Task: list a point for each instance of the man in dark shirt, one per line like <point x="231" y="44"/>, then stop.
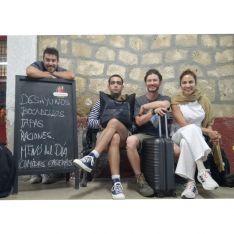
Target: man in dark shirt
<point x="112" y="137"/>
<point x="48" y="68"/>
<point x="147" y="107"/>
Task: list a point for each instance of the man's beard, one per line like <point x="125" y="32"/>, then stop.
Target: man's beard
<point x="153" y="91"/>
<point x="51" y="69"/>
<point x="115" y="95"/>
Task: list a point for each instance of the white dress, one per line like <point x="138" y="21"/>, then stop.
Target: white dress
<point x="190" y="139"/>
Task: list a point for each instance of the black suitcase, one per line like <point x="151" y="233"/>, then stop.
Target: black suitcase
<point x="158" y="163"/>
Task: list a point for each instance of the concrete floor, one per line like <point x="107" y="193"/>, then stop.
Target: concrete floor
<point x="97" y="189"/>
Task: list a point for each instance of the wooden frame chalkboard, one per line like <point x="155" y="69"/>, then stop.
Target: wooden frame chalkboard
<point x="45" y="139"/>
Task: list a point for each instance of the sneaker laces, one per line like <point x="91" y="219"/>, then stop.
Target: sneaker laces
<point x="117" y="188"/>
<point x="204" y="174"/>
<point x="190" y="185"/>
<point x="88" y="159"/>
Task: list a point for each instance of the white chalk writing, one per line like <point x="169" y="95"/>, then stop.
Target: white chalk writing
<point x="34" y="99"/>
<point x="33" y="150"/>
<point x="31" y="136"/>
<point x="41" y="112"/>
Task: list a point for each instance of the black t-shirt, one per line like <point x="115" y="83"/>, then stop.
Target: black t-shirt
<point x="148" y="127"/>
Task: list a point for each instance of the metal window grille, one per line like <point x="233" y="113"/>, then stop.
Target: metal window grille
<point x="3" y="57"/>
<point x="3" y="76"/>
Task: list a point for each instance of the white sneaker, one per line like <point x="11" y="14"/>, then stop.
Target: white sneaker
<point x="117" y="191"/>
<point x="206" y="180"/>
<point x="35" y="179"/>
<point x="190" y="191"/>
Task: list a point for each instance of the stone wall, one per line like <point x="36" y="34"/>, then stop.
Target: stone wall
<point x="94" y="58"/>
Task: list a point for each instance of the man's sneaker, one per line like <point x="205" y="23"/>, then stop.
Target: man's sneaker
<point x="47" y="179"/>
<point x="190" y="191"/>
<point x="143" y="188"/>
<point x="86" y="163"/>
<point x="206" y="180"/>
<point x="117" y="191"/>
<point x="34" y="179"/>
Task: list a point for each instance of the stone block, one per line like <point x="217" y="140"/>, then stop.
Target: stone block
<point x="208" y="87"/>
<point x="225" y="56"/>
<point x="105" y="54"/>
<point x="117" y="41"/>
<point x="64" y="46"/>
<point x="226" y="89"/>
<point x="116" y="69"/>
<point x="152" y="58"/>
<point x="195" y="68"/>
<point x="186" y="40"/>
<point x="161" y="41"/>
<point x="100" y="84"/>
<point x="170" y="88"/>
<point x="175" y="55"/>
<point x="90" y="68"/>
<point x="128" y="57"/>
<point x="222" y="110"/>
<point x="96" y="39"/>
<point x="130" y="88"/>
<point x="201" y="57"/>
<point x="225" y="70"/>
<point x="80" y="49"/>
<point x="66" y="63"/>
<point x="137" y="74"/>
<point x="213" y="73"/>
<point x="81" y="84"/>
<point x="46" y="41"/>
<point x="226" y="41"/>
<point x="209" y="41"/>
<point x="84" y="102"/>
<point x="167" y="72"/>
<point x="137" y="43"/>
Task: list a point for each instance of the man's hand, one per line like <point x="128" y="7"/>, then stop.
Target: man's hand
<point x="161" y="111"/>
<point x="142" y="110"/>
<point x="49" y="75"/>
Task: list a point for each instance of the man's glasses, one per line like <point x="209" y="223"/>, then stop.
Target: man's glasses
<point x="116" y="82"/>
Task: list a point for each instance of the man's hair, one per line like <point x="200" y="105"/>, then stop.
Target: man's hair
<point x="188" y="72"/>
<point x="51" y="50"/>
<point x="153" y="71"/>
<point x="115" y="75"/>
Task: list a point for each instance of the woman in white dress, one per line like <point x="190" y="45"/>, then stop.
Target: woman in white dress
<point x="193" y="117"/>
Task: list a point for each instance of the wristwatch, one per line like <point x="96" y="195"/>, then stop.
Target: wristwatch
<point x="152" y="112"/>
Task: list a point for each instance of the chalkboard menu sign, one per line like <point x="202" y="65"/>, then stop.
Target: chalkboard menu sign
<point x="45" y="125"/>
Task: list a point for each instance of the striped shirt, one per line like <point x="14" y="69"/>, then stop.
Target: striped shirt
<point x="94" y="116"/>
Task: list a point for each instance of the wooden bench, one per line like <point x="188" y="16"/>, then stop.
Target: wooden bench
<point x="225" y="125"/>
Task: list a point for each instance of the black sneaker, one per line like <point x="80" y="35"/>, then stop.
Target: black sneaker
<point x="143" y="188"/>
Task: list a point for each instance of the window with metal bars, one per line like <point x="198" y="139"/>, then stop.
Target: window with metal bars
<point x="3" y="76"/>
<point x="3" y="57"/>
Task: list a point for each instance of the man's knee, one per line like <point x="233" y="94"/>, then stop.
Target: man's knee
<point x="132" y="142"/>
<point x="113" y="123"/>
<point x="115" y="139"/>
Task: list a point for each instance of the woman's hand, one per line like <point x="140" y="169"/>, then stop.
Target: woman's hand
<point x="214" y="136"/>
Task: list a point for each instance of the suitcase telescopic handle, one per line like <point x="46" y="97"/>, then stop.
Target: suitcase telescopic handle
<point x="160" y="125"/>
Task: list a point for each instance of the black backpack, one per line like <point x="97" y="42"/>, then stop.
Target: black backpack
<point x="7" y="171"/>
<point x="219" y="177"/>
